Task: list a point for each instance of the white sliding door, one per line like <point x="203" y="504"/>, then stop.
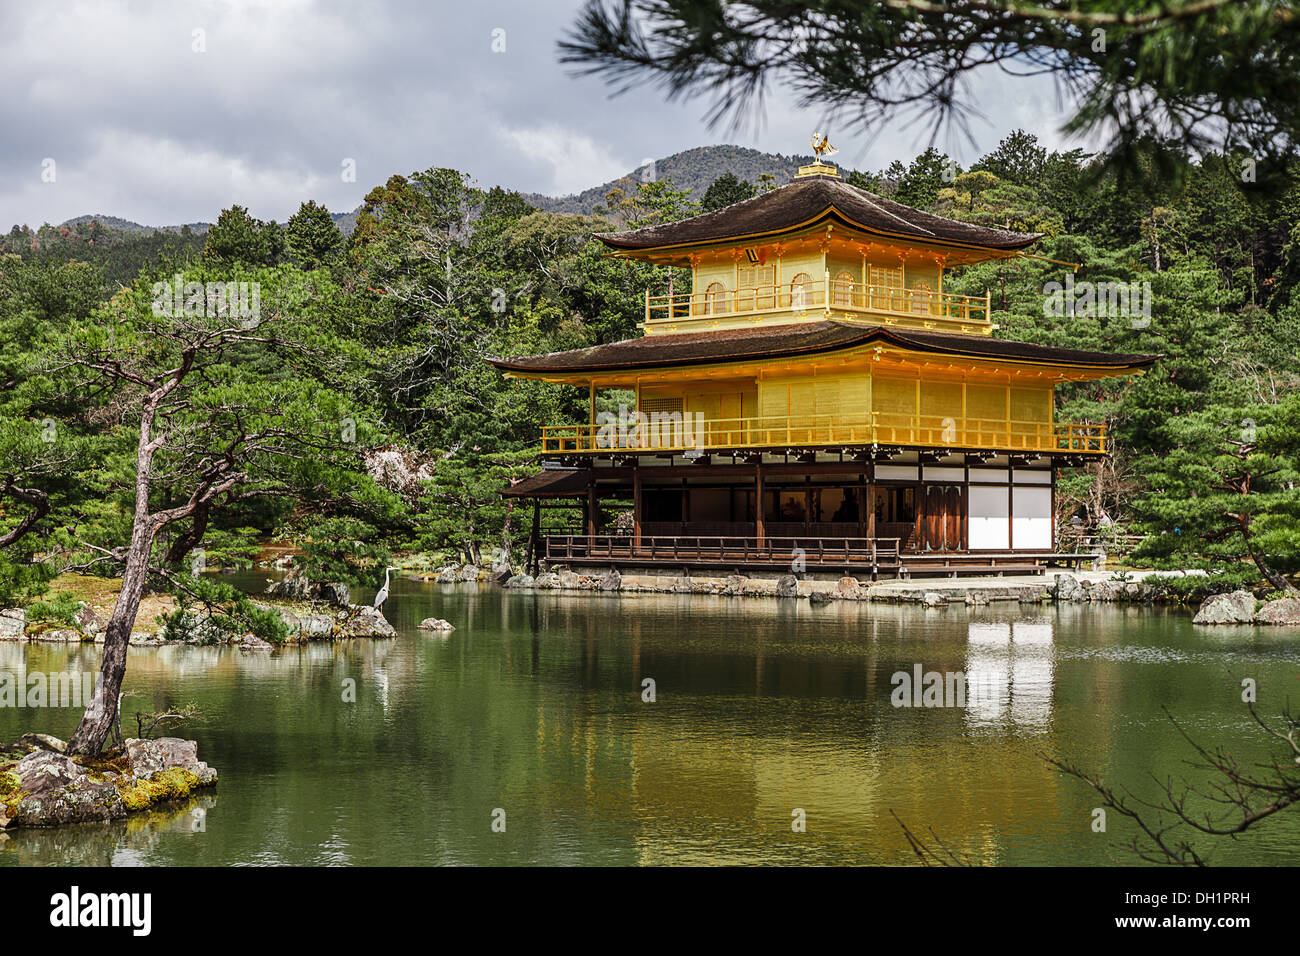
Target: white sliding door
<point x="989" y="511"/>
<point x="1031" y="523"/>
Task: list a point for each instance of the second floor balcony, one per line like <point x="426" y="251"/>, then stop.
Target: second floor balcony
<point x="918" y="307"/>
<point x="681" y="433"/>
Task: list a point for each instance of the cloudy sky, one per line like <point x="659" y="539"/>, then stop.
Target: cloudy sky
<point x="166" y="111"/>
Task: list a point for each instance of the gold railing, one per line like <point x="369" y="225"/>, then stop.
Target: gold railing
<point x="691" y="432"/>
<point x="810" y="297"/>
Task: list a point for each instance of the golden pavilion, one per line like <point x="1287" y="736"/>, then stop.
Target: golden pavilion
<point x="817" y="396"/>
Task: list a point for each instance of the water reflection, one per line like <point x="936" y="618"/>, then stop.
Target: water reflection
<point x="534" y="704"/>
<point x="126" y="842"/>
<point x="1009" y="670"/>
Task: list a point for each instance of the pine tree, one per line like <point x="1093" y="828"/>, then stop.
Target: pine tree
<point x="725" y="190"/>
<point x="312" y="240"/>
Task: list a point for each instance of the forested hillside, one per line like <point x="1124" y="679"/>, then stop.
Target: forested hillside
<point x="119" y="251"/>
<point x="352" y="411"/>
<point x="692" y="169"/>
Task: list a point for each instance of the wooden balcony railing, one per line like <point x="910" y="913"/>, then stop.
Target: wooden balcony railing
<point x="725" y="550"/>
<point x="905" y="306"/>
<point x="685" y="433"/>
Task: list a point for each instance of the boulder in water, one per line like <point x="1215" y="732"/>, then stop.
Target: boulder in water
<point x="1283" y="611"/>
<point x="1237" y="607"/>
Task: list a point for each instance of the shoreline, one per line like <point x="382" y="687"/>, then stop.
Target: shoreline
<point x="1068" y="587"/>
<point x="1150" y="588"/>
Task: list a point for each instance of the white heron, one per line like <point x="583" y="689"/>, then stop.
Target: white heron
<point x="382" y="596"/>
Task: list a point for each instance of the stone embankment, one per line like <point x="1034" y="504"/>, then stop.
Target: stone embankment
<point x="1240" y="607"/>
<point x="304" y="622"/>
<point x="462" y="574"/>
<point x="1022" y="589"/>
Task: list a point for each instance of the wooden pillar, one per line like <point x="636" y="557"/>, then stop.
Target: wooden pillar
<point x="636" y="508"/>
<point x="535" y="539"/>
<point x="965" y="438"/>
<point x="1052" y="462"/>
<point x="807" y="504"/>
<point x="916" y="422"/>
<point x="965" y="508"/>
<point x="591" y="506"/>
<point x="1011" y="506"/>
<point x="920" y="501"/>
<point x="758" y="503"/>
<point x="861" y="492"/>
<point x="686" y="507"/>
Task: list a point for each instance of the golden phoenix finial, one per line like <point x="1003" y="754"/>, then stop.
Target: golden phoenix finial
<point x="821" y="146"/>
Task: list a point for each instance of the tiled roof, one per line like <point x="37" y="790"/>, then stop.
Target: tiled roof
<point x="806" y="202"/>
<point x="784" y="341"/>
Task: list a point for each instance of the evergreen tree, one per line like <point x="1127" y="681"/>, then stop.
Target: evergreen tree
<point x="311" y="238"/>
<point x="1018" y="158"/>
<point x="923" y="180"/>
<point x="238" y="238"/>
<point x="725" y="190"/>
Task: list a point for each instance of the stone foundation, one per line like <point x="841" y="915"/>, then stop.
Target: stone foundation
<point x="823" y="588"/>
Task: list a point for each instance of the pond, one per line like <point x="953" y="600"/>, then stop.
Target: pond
<point x="532" y="714"/>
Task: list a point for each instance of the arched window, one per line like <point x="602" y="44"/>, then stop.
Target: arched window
<point x="800" y="291"/>
<point x="921" y="298"/>
<point x="843" y="292"/>
<point x="715" y="299"/>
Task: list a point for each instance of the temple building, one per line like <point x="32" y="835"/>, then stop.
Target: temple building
<point x="816" y="397"/>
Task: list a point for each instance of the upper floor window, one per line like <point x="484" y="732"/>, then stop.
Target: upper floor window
<point x="716" y="299"/>
<point x="843" y="289"/>
<point x="886" y="288"/>
<point x="887" y="277"/>
<point x="756" y="277"/>
<point x="801" y="291"/>
<point x="921" y="298"/>
<point x="755" y="287"/>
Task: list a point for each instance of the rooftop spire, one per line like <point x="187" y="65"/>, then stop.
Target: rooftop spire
<point x="821" y="146"/>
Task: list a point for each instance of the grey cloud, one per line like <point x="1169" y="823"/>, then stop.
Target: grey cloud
<point x="142" y="126"/>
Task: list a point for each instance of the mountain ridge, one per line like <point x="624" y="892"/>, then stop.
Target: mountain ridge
<point x="693" y="169"/>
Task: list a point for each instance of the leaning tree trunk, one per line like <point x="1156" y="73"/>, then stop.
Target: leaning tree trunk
<point x="101" y="713"/>
<point x="1273" y="577"/>
<point x="97" y="722"/>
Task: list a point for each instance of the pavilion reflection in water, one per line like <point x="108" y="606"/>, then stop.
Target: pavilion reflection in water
<point x="1009" y="674"/>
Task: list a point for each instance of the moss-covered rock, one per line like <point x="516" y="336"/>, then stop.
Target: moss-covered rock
<point x="173" y="784"/>
<point x="45" y="789"/>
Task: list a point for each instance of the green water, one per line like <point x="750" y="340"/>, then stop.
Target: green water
<point x="534" y="706"/>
